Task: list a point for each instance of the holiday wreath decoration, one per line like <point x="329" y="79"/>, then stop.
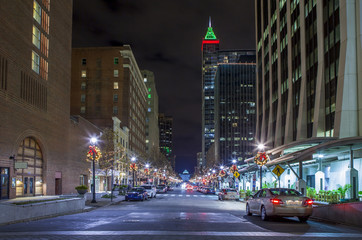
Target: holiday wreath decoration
<point x="222" y="173"/>
<point x="233" y="168"/>
<point x="94" y="150"/>
<point x="133" y="167"/>
<point x="261" y="158"/>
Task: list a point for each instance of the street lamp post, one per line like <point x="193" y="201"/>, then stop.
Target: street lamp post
<point x="93" y="142"/>
<point x="133" y="159"/>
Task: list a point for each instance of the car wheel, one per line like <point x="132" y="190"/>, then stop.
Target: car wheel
<point x="264" y="217"/>
<point x="248" y="210"/>
<point x="143" y="198"/>
<point x="126" y="199"/>
<point x="155" y="195"/>
<point x="303" y="219"/>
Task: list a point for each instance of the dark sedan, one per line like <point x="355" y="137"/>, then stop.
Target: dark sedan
<point x="138" y="193"/>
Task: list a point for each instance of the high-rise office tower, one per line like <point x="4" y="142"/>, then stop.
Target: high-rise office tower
<point x="166" y="144"/>
<point x="106" y="83"/>
<point x="152" y="129"/>
<point x="210" y="46"/>
<point x="235" y="106"/>
<point x="308" y="93"/>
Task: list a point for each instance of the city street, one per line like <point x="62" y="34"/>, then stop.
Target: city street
<point x="177" y="214"/>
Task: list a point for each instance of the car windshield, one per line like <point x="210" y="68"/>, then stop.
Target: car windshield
<point x="160" y="187"/>
<point x="285" y="192"/>
<point x="137" y="190"/>
<point x="230" y="190"/>
<point x="146" y="187"/>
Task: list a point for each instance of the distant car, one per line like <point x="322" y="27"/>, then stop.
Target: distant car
<point x="161" y="189"/>
<point x="151" y="190"/>
<point x="189" y="187"/>
<point x="169" y="188"/>
<point x="283" y="202"/>
<point x="208" y="190"/>
<point x="228" y="194"/>
<point x="137" y="193"/>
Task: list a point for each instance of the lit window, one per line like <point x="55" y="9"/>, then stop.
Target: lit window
<point x="84" y="73"/>
<point x="83" y="85"/>
<point x="115" y="73"/>
<point x="149" y="89"/>
<point x="84" y="61"/>
<point x="115" y="85"/>
<point x="36" y="37"/>
<point x="115" y="60"/>
<point x="149" y="95"/>
<point x="82" y="109"/>
<point x="149" y="109"/>
<point x="115" y="110"/>
<point x="37" y="12"/>
<point x="145" y="79"/>
<point x="35" y="62"/>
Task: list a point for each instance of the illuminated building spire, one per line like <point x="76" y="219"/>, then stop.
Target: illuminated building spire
<point x="210" y="33"/>
<point x="209" y="21"/>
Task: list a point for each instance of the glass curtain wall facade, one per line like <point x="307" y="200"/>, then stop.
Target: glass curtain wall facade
<point x="235" y="109"/>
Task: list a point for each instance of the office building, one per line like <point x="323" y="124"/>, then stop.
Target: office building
<point x="309" y="92"/>
<point x="235" y="106"/>
<point x="210" y="47"/>
<point x="166" y="144"/>
<point x="152" y="129"/>
<point x="106" y="83"/>
<point x="41" y="145"/>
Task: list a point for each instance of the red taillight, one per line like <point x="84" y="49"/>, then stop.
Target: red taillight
<point x="308" y="202"/>
<point x="276" y="201"/>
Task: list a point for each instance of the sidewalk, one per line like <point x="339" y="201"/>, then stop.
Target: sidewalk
<point x="101" y="202"/>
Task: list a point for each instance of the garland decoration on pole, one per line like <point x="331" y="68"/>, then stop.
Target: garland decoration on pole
<point x="261" y="158"/>
<point x="133" y="167"/>
<point x="222" y="173"/>
<point x="233" y="168"/>
<point x="94" y="150"/>
<point x="214" y="175"/>
<point x="154" y="174"/>
<point x="147" y="171"/>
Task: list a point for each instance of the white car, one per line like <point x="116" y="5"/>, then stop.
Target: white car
<point x="151" y="190"/>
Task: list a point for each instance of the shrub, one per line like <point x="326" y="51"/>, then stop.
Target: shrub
<point x="81" y="187"/>
<point x="108" y="196"/>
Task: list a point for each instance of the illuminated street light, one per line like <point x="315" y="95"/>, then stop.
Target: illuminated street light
<point x="261" y="146"/>
<point x="213" y="171"/>
<point x="147" y="165"/>
<point x="133" y="159"/>
<point x="234" y="161"/>
<point x="320" y="156"/>
<point x="221" y="167"/>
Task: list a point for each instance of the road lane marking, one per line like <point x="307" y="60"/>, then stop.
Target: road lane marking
<point x="187" y="195"/>
<point x="186" y="233"/>
<point x="180" y="195"/>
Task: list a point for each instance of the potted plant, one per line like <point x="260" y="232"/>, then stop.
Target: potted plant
<point x="311" y="193"/>
<point x="81" y="189"/>
<point x="360" y="195"/>
<point x="343" y="190"/>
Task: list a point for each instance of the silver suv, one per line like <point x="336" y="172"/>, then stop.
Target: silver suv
<point x="151" y="190"/>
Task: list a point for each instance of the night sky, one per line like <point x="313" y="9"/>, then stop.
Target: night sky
<point x="166" y="36"/>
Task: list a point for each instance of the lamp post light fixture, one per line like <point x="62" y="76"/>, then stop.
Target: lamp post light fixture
<point x="234" y="161"/>
<point x="221" y="167"/>
<point x="93" y="141"/>
<point x="133" y="159"/>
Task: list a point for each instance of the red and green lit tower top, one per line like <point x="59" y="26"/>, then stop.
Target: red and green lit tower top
<point x="210" y="48"/>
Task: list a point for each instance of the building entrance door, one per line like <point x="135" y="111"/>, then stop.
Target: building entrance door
<point x="29" y="186"/>
<point x="4" y="183"/>
<point x="58" y="186"/>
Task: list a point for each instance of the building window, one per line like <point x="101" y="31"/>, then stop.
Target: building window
<point x="36" y="37"/>
<point x="82" y="98"/>
<point x="115" y="73"/>
<point x="115" y="85"/>
<point x="149" y="109"/>
<point x="37" y="12"/>
<point x="83" y="85"/>
<point x="82" y="109"/>
<point x="84" y="61"/>
<point x="115" y="110"/>
<point x="35" y="62"/>
<point x="145" y="79"/>
<point x="115" y="97"/>
<point x="84" y="73"/>
<point x="115" y="60"/>
<point x="149" y="95"/>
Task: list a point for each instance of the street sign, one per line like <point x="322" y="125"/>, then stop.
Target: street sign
<point x="278" y="170"/>
<point x="21" y="165"/>
<point x="236" y="174"/>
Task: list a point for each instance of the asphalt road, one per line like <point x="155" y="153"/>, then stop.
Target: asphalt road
<point x="176" y="215"/>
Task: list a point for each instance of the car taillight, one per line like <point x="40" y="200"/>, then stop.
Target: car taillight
<point x="308" y="202"/>
<point x="276" y="201"/>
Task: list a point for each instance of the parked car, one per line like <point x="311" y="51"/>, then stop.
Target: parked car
<point x="151" y="190"/>
<point x="169" y="188"/>
<point x="208" y="190"/>
<point x="228" y="194"/>
<point x="283" y="202"/>
<point x="137" y="193"/>
<point x="161" y="189"/>
<point x="189" y="187"/>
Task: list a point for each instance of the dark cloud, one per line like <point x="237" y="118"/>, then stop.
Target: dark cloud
<point x="166" y="36"/>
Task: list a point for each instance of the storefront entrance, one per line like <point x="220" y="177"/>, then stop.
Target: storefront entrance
<point x="4" y="183"/>
<point x="28" y="186"/>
